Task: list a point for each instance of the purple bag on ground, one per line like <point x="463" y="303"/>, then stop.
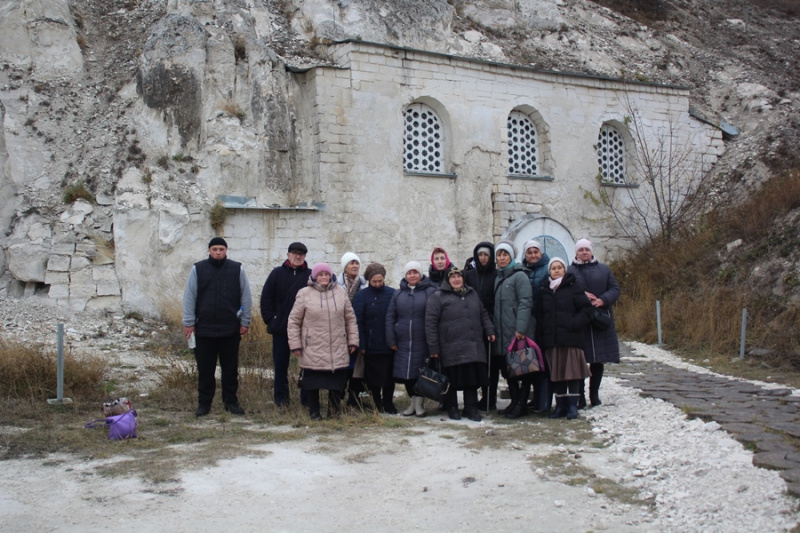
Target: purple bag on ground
<point x="119" y="427"/>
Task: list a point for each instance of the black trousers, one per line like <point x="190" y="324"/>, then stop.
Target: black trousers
<point x="206" y="353"/>
<point x="335" y="398"/>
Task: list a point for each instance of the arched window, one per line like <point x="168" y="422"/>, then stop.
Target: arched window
<point x="523" y="155"/>
<point x="611" y="155"/>
<point x="422" y="140"/>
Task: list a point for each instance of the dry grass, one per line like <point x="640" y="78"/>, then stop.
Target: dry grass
<point x="217" y="215"/>
<point x="30" y="373"/>
<point x="702" y="294"/>
<point x="233" y="109"/>
<point x="76" y="191"/>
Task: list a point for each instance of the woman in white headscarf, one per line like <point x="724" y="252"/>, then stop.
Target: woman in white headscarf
<point x="600" y="345"/>
<point x="566" y="312"/>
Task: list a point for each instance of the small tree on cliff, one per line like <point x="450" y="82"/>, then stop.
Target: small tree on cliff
<point x="667" y="183"/>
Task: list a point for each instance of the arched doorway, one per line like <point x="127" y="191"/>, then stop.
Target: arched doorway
<point x="554" y="236"/>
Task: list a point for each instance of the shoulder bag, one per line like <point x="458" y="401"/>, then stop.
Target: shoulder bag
<point x="601" y="318"/>
<point x="432" y="384"/>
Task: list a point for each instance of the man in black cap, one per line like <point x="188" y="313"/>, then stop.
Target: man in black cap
<point x="216" y="310"/>
<point x="277" y="299"/>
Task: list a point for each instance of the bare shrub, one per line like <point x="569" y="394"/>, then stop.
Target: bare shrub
<point x="668" y="187"/>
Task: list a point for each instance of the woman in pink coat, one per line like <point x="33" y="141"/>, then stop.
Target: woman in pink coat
<point x="323" y="333"/>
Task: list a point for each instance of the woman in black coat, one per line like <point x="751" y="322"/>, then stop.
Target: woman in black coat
<point x="370" y="305"/>
<point x="599" y="346"/>
<point x="565" y="313"/>
<point x="456" y="325"/>
<point x="481" y="278"/>
<point x="405" y="331"/>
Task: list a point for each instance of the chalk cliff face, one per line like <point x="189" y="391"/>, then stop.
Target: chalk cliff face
<point x="124" y="121"/>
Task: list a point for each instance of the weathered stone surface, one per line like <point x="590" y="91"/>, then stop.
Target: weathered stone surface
<point x="56" y="278"/>
<point x="77" y="213"/>
<point x="792" y="475"/>
<point x="104" y="273"/>
<point x="82" y="285"/>
<point x="773" y="460"/>
<point x="58" y="263"/>
<point x="108" y="287"/>
<point x="40" y="36"/>
<point x="104" y="303"/>
<point x="58" y="291"/>
<point x="77" y="304"/>
<point x="79" y="263"/>
<point x="27" y="262"/>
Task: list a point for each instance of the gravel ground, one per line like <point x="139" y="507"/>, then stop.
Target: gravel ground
<point x="689" y="475"/>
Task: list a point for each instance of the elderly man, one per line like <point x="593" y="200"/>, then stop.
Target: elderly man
<point x="216" y="310"/>
<point x="277" y="299"/>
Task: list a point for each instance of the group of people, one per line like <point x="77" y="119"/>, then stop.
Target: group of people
<point x="353" y="333"/>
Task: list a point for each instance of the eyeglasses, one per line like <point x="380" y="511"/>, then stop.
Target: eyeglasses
<point x="299" y="254"/>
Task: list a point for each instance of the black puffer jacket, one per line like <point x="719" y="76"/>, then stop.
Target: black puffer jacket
<point x="565" y="313"/>
<point x="371" y="305"/>
<point x="456" y="326"/>
<point x="481" y="278"/>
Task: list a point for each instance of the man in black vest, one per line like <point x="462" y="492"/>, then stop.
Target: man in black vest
<point x="216" y="312"/>
<point x="277" y="299"/>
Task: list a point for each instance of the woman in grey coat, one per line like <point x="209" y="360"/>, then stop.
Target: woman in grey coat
<point x="456" y="324"/>
<point x="600" y="346"/>
<point x="513" y="319"/>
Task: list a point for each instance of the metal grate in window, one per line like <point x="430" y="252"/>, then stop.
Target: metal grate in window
<point x="522" y="149"/>
<point x="611" y="155"/>
<point x="422" y="140"/>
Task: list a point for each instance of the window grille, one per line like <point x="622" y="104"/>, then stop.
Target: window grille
<point x="522" y="145"/>
<point x="611" y="156"/>
<point x="422" y="140"/>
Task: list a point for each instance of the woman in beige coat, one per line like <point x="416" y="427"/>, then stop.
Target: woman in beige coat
<point x="323" y="333"/>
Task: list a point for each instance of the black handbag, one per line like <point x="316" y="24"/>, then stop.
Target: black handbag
<point x="432" y="384"/>
<point x="601" y="318"/>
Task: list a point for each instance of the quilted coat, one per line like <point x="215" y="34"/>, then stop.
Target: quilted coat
<point x="513" y="301"/>
<point x="456" y="326"/>
<point x="405" y="327"/>
<point x="323" y="325"/>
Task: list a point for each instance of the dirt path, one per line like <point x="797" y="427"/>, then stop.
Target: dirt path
<point x="657" y="471"/>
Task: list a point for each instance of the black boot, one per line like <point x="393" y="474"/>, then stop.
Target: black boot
<point x="313" y="405"/>
<point x="594" y="383"/>
<point x="513" y="391"/>
<point x="451" y="404"/>
<point x="572" y="407"/>
<point x="520" y="410"/>
<point x="471" y="405"/>
<point x="376" y="397"/>
<point x="335" y="398"/>
<point x="561" y="407"/>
